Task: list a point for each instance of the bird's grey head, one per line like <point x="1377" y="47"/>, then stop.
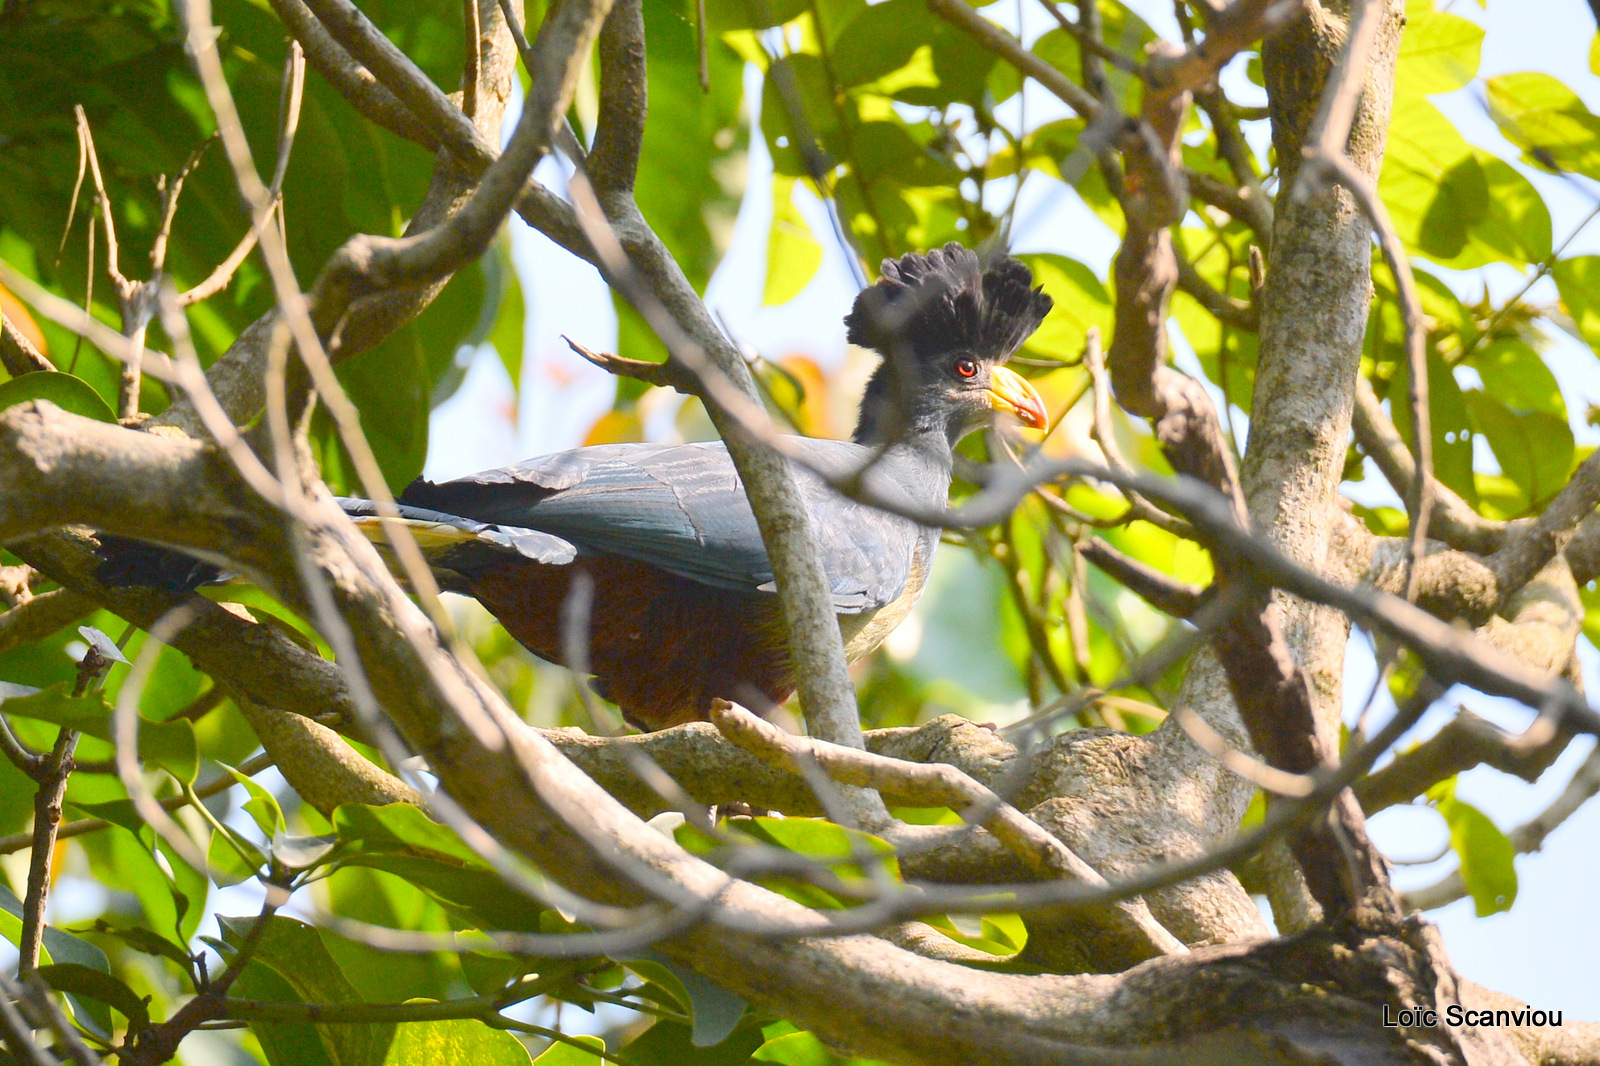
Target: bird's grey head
<point x="945" y="327"/>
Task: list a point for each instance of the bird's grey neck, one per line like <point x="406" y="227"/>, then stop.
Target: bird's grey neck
<point x="923" y="444"/>
<point x="914" y="471"/>
<point x="883" y="424"/>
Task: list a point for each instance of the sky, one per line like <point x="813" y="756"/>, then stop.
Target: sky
<point x="1545" y="949"/>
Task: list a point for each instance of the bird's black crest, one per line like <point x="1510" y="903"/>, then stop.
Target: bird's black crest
<point x="941" y="301"/>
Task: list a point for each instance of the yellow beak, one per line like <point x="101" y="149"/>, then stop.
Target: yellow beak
<point x="1009" y="391"/>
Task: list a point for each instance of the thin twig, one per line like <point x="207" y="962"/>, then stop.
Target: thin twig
<point x="17" y="353"/>
<point x="1462" y="743"/>
<point x="159" y="1043"/>
<point x="937" y="784"/>
<point x="20" y="755"/>
<point x="39" y="997"/>
<point x="293" y="93"/>
<point x="472" y="68"/>
<point x="353" y="81"/>
<point x="17" y="1029"/>
<point x="1010" y="49"/>
<point x="52" y="774"/>
<point x="1105" y="435"/>
<point x="249" y="768"/>
<point x="1093" y="44"/>
<point x="1527" y="837"/>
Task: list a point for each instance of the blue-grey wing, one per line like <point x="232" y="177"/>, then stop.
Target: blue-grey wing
<point x="683" y="508"/>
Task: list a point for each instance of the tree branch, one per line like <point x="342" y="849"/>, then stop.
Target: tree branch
<point x="1125" y="931"/>
<point x="1452" y="519"/>
<point x="353" y="81"/>
<point x="17" y="353"/>
<point x="1527" y="837"/>
<point x="1462" y="743"/>
<point x="1010" y="49"/>
<point x="1529" y="547"/>
<point x="44" y="614"/>
<point x="571" y="828"/>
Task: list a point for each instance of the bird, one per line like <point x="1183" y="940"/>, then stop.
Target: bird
<point x="681" y="603"/>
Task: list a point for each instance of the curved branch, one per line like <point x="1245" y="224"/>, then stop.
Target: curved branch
<point x="1527" y="837"/>
<point x="368" y="262"/>
<point x="1452" y="520"/>
<point x="352" y="80"/>
<point x="1126" y="931"/>
<point x="1529" y="547"/>
<point x="1010" y="49"/>
<point x="540" y="804"/>
<point x="17" y="353"/>
<point x="39" y="617"/>
<point x="1462" y="743"/>
<point x="619" y="128"/>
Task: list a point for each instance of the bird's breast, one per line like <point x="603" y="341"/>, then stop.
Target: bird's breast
<point x="865" y="631"/>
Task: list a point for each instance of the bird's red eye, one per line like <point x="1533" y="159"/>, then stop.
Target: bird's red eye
<point x="966" y="368"/>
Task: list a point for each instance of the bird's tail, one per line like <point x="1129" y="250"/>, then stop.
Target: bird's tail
<point x="456" y="548"/>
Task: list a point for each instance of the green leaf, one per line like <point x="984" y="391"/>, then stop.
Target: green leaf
<point x="797" y="91"/>
<point x="1578" y="281"/>
<point x="1514" y="374"/>
<point x="65" y="391"/>
<point x="1439" y="52"/>
<point x="1515" y="228"/>
<point x="1547" y="120"/>
<point x="119" y="857"/>
<point x="261" y="806"/>
<point x="143" y="940"/>
<point x="509" y="327"/>
<point x="1000" y="935"/>
<point x="486" y="971"/>
<point x="403" y="828"/>
<point x="1534" y="448"/>
<point x="1120" y="29"/>
<point x="476" y="894"/>
<point x="169" y="745"/>
<point x="1431" y="181"/>
<point x="670" y="1044"/>
<point x="389" y="977"/>
<point x="283" y="1043"/>
<point x="118" y="812"/>
<point x="795" y="1049"/>
<point x="59" y="945"/>
<point x="560" y="1054"/>
<point x="724" y="15"/>
<point x="882" y="44"/>
<point x="227" y="865"/>
<point x="460" y="1042"/>
<point x="1081" y="301"/>
<point x="294" y="953"/>
<point x="86" y="982"/>
<point x="882" y="39"/>
<point x="1459" y="206"/>
<point x="793" y="254"/>
<point x="714" y="1011"/>
<point x="1486" y="854"/>
<point x="802" y="1049"/>
<point x="821" y="839"/>
<point x="401" y="840"/>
